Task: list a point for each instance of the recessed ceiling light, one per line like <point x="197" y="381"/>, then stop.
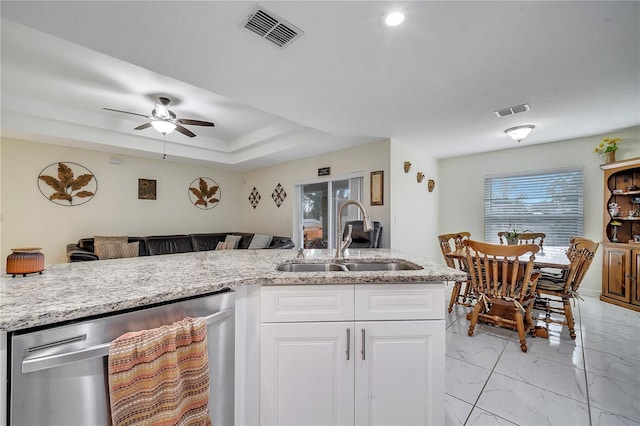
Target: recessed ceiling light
<point x="394" y="18"/>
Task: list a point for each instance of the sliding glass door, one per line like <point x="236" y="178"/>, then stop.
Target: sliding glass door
<point x="318" y="210"/>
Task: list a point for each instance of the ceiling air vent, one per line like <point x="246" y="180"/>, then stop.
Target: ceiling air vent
<point x="512" y="110"/>
<point x="271" y="27"/>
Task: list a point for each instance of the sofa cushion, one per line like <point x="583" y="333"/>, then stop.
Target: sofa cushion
<point x="260" y="241"/>
<point x="116" y="250"/>
<point x="87" y="244"/>
<point x="233" y="239"/>
<point x="226" y="245"/>
<point x="100" y="239"/>
<point x="205" y="242"/>
<point x="168" y="244"/>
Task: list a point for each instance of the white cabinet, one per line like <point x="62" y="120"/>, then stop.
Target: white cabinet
<point x="305" y="377"/>
<point x="399" y="379"/>
<point x="345" y="355"/>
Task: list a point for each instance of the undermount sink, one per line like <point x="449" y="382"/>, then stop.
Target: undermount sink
<point x="348" y="266"/>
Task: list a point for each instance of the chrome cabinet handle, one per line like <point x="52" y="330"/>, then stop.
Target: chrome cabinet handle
<point x="363" y="345"/>
<point x="348" y="343"/>
<point x="35" y="363"/>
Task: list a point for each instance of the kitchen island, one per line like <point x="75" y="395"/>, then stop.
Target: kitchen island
<point x="69" y="292"/>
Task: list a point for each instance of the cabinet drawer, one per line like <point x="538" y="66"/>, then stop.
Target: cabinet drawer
<point x="306" y="303"/>
<point x="399" y="302"/>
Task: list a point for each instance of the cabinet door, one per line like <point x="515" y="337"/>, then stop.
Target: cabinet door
<point x="616" y="273"/>
<point x="635" y="277"/>
<point x="400" y="373"/>
<point x="305" y="376"/>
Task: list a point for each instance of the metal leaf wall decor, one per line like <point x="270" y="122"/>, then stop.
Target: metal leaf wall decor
<point x="278" y="195"/>
<point x="73" y="186"/>
<point x="204" y="193"/>
<point x="254" y="198"/>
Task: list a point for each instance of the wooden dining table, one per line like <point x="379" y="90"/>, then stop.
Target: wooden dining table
<point x="554" y="257"/>
<point x="549" y="257"/>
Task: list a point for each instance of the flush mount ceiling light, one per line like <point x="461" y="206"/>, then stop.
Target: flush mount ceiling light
<point x="394" y="18"/>
<point x="164" y="127"/>
<point x="519" y="132"/>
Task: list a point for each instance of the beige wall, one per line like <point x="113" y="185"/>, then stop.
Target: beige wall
<point x="29" y="219"/>
<point x="414" y="212"/>
<point x="269" y="219"/>
<point x="461" y="186"/>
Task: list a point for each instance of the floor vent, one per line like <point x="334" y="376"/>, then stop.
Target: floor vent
<point x="512" y="110"/>
<point x="271" y="27"/>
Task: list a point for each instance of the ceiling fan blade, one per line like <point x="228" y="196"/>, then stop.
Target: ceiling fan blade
<point x="184" y="131"/>
<point x="195" y="122"/>
<point x="143" y="126"/>
<point x="126" y="112"/>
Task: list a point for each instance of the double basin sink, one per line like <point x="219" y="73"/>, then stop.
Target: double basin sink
<point x="348" y="266"/>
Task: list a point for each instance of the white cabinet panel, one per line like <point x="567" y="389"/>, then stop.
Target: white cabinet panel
<point x="307" y="303"/>
<point x="305" y="377"/>
<point x="400" y="376"/>
<point x="399" y="301"/>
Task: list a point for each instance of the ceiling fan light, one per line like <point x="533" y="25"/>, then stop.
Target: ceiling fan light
<point x="164" y="127"/>
<point x="519" y="132"/>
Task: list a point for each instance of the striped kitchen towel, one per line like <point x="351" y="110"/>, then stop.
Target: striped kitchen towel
<point x="161" y="376"/>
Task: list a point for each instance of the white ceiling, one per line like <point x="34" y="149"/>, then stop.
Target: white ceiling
<point x="435" y="81"/>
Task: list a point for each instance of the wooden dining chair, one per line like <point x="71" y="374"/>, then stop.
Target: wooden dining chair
<point x="554" y="295"/>
<point x="560" y="275"/>
<point x="504" y="284"/>
<point x="449" y="242"/>
<point x="526" y="238"/>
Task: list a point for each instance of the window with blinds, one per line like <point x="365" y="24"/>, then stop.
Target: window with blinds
<point x="543" y="201"/>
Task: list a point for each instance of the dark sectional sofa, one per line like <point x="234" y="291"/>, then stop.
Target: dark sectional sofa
<point x="83" y="250"/>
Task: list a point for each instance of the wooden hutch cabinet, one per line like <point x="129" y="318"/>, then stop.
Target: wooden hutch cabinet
<point x="621" y="255"/>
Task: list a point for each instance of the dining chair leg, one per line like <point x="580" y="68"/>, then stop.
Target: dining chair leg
<point x="474" y="316"/>
<point x="569" y="316"/>
<point x="520" y="327"/>
<point x="530" y="325"/>
<point x="455" y="293"/>
<point x="468" y="294"/>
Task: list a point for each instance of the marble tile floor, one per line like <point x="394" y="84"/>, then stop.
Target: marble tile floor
<point x="594" y="380"/>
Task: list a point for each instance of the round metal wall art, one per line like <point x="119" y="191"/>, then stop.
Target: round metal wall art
<point x="204" y="193"/>
<point x="67" y="184"/>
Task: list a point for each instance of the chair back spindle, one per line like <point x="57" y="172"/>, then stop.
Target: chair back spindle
<point x="503" y="278"/>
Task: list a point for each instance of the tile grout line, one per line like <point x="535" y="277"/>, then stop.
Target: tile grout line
<point x="485" y="384"/>
<point x="584" y="361"/>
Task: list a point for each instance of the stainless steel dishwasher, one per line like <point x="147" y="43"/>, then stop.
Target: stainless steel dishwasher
<point x="58" y="375"/>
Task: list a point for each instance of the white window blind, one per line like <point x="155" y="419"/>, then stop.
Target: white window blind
<point x="543" y="201"/>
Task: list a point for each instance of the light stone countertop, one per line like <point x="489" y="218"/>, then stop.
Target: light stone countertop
<point x="70" y="291"/>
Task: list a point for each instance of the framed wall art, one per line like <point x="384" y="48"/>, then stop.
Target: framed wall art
<point x="146" y="189"/>
<point x="377" y="188"/>
<point x="67" y="184"/>
<point x="204" y="193"/>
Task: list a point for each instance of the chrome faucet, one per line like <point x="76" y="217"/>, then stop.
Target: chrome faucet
<point x="342" y="245"/>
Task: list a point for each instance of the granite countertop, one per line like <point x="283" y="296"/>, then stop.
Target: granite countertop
<point x="70" y="291"/>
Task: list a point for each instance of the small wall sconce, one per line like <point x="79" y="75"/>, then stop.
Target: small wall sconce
<point x="407" y="166"/>
<point x="420" y="177"/>
<point x="431" y="184"/>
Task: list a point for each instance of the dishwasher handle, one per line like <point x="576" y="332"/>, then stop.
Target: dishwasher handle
<point x="29" y="365"/>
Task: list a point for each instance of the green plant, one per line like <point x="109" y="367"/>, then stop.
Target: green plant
<point x="607" y="145"/>
<point x="512" y="233"/>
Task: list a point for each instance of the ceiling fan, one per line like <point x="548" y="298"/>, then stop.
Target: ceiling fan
<point x="165" y="120"/>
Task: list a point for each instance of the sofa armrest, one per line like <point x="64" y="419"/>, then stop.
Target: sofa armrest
<point x="281" y="243"/>
<point x="77" y="254"/>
